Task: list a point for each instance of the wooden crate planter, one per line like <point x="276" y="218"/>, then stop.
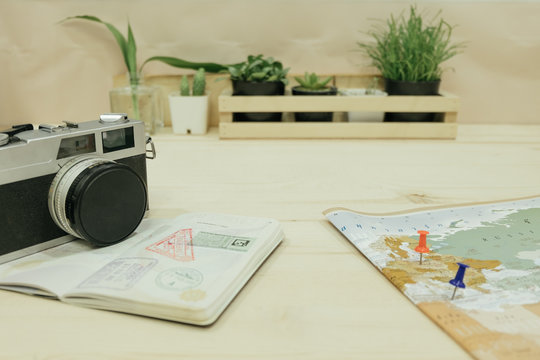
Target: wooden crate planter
<point x="446" y="103"/>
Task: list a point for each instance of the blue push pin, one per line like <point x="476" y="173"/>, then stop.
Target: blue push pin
<point x="458" y="280"/>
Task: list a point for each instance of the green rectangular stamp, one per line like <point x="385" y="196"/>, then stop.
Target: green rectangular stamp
<point x="221" y="241"/>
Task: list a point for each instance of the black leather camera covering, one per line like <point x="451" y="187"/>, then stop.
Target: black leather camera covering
<point x="24" y="213"/>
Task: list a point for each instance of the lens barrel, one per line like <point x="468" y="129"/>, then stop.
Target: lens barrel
<point x="97" y="199"/>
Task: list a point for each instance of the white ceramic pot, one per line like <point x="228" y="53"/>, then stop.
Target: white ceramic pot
<point x="361" y="116"/>
<point x="189" y="114"/>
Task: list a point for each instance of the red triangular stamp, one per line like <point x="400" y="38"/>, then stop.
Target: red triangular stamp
<point x="178" y="246"/>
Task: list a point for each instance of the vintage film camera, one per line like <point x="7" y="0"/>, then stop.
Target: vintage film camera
<point x="85" y="180"/>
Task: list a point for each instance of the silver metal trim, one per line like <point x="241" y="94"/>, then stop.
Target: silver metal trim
<point x="35" y="248"/>
<point x="35" y="151"/>
<point x="152" y="148"/>
<point x="113" y="118"/>
<point x="71" y="125"/>
<point x="49" y="127"/>
<point x="60" y="187"/>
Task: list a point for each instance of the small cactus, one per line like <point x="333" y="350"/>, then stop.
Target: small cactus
<point x="184" y="86"/>
<point x="199" y="83"/>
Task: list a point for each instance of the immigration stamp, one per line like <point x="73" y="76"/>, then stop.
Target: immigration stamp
<point x="119" y="274"/>
<point x="222" y="241"/>
<point x="193" y="295"/>
<point x="179" y="278"/>
<point x="177" y="246"/>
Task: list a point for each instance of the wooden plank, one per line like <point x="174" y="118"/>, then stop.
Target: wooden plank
<point x="357" y="81"/>
<point x="337" y="130"/>
<point x="225" y="117"/>
<point x="338" y="103"/>
<point x="450" y="117"/>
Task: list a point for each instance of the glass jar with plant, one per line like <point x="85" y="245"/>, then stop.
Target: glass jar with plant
<point x="409" y="51"/>
<point x="137" y="100"/>
<point x="258" y="76"/>
<point x="311" y="84"/>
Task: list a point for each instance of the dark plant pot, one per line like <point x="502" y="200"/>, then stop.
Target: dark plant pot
<point x="393" y="87"/>
<point x="251" y="88"/>
<point x="313" y="116"/>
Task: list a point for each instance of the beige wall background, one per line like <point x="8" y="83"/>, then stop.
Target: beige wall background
<point x="52" y="72"/>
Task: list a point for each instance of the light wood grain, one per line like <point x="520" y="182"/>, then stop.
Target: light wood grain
<point x="447" y="104"/>
<point x="335" y="130"/>
<point x="338" y="103"/>
<point x="316" y="297"/>
<point x="221" y="105"/>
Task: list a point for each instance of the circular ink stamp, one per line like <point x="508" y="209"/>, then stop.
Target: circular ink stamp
<point x="179" y="278"/>
<point x="193" y="295"/>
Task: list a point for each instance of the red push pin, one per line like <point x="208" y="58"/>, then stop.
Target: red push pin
<point x="422" y="247"/>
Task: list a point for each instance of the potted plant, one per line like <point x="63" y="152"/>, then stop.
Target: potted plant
<point x="258" y="76"/>
<point x="409" y="52"/>
<point x="312" y="85"/>
<point x="365" y="116"/>
<point x="137" y="100"/>
<point x="189" y="108"/>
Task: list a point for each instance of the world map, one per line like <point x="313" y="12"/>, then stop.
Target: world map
<point x="497" y="314"/>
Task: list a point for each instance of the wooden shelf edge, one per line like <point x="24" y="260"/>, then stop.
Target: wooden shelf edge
<point x="332" y="130"/>
<point x="288" y="103"/>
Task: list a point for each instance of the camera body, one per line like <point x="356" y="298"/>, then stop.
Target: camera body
<point x="85" y="180"/>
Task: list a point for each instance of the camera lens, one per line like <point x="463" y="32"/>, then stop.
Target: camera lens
<point x="97" y="199"/>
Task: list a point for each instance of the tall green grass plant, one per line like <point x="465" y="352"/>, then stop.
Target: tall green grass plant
<point x="411" y="48"/>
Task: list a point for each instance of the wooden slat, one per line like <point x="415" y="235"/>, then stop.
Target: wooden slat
<point x="247" y="130"/>
<point x="338" y="103"/>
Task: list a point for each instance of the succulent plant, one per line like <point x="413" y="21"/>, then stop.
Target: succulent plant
<point x="199" y="83"/>
<point x="259" y="69"/>
<point x="312" y="81"/>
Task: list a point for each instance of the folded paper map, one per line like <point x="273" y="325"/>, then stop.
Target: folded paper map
<point x="480" y="275"/>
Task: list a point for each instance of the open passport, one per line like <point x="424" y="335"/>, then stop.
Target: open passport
<point x="187" y="269"/>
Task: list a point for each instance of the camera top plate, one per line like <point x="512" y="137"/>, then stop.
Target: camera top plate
<point x="43" y="151"/>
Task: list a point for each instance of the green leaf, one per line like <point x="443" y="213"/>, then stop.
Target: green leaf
<point x="325" y="81"/>
<point x="120" y="39"/>
<point x="259" y="75"/>
<point x="184" y="64"/>
<point x="313" y="79"/>
<point x="132" y="55"/>
<point x="234" y="72"/>
<point x="302" y="82"/>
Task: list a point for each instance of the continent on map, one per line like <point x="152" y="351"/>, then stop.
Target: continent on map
<point x="404" y="267"/>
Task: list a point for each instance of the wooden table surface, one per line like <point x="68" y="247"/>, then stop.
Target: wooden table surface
<point x="316" y="297"/>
